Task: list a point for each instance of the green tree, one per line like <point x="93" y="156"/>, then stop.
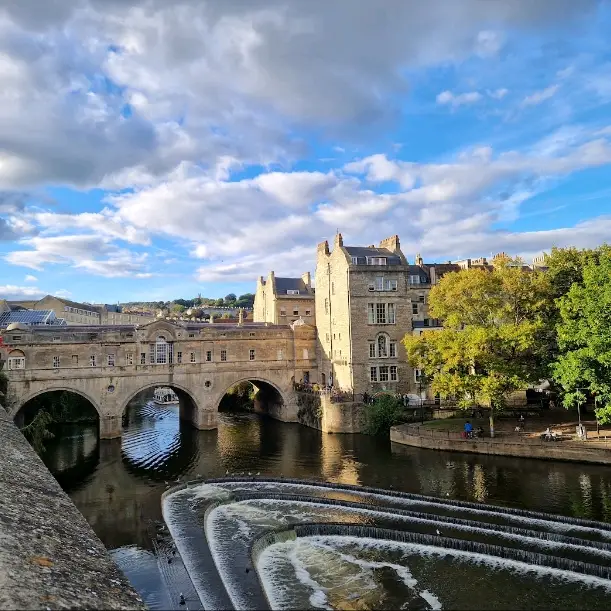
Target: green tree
<point x="491" y="344"/>
<point x="178" y="308"/>
<point x="231" y="298"/>
<point x="584" y="338"/>
<point x="379" y="416"/>
<point x="220" y="302"/>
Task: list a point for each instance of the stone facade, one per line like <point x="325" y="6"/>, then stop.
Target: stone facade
<point x="282" y="301"/>
<point x="110" y="365"/>
<point x="72" y="312"/>
<point x="367" y="300"/>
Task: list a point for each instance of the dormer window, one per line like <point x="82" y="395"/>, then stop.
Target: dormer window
<point x="292" y="292"/>
<point x="355" y="260"/>
<point x="376" y="260"/>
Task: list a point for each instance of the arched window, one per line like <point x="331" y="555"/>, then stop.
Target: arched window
<point x="382" y="345"/>
<point x="161" y="351"/>
<point x="15" y="360"/>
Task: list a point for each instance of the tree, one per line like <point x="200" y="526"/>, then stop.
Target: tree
<point x="229" y="299"/>
<point x="178" y="308"/>
<point x="491" y="344"/>
<point x="584" y="338"/>
<point x="219" y="303"/>
<point x="381" y="415"/>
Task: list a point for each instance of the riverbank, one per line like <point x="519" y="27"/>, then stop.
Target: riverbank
<point x="49" y="557"/>
<point x="521" y="446"/>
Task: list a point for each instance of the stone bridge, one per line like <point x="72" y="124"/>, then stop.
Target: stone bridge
<point x="110" y="365"/>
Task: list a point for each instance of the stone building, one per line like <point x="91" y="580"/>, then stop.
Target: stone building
<point x="367" y="300"/>
<point x="115" y="315"/>
<point x="72" y="312"/>
<point x="282" y="301"/>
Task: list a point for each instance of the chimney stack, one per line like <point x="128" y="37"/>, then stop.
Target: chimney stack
<point x="391" y="243"/>
<point x="323" y="248"/>
<point x="339" y="241"/>
<point x="307" y="279"/>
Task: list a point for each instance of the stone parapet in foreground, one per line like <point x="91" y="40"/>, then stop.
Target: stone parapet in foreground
<point x="561" y="450"/>
<point x="50" y="558"/>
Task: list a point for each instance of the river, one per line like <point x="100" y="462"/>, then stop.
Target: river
<point x="117" y="485"/>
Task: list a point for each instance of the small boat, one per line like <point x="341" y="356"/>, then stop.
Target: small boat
<point x="165" y="396"/>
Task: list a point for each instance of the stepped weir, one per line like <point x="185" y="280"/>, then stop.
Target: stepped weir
<point x="253" y="543"/>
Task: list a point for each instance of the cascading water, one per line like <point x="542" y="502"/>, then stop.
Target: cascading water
<point x="252" y="543"/>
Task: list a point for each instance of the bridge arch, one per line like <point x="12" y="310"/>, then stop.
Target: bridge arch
<point x="273" y="394"/>
<point x="20" y="404"/>
<point x="188" y="392"/>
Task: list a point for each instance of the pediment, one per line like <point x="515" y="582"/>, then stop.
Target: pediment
<point x="151" y="330"/>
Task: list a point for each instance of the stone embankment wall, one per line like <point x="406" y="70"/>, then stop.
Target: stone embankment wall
<point x="50" y="558"/>
<point x="561" y="450"/>
<point x="317" y="412"/>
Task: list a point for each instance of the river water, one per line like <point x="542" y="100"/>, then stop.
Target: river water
<point x="117" y="485"/>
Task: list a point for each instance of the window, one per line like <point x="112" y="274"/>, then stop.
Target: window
<point x="393" y="373"/>
<point x="143" y="358"/>
<point x="380" y="313"/>
<point x="223" y="355"/>
<point x="179" y="357"/>
<point x="382" y="353"/>
<point x="57" y="338"/>
<point x="191" y="334"/>
<point x="426" y="322"/>
<point x="414" y="308"/>
<point x="326" y="306"/>
<point x="371" y="313"/>
<point x="414" y="279"/>
<point x="251" y="354"/>
<point x="382" y="284"/>
<point x="376" y="260"/>
<point x="383" y="373"/>
<point x="393" y="350"/>
<point x="391" y="314"/>
<point x="295" y="312"/>
<point x="251" y="334"/>
<point x="16" y="362"/>
<point x="421" y="298"/>
<point x="279" y="355"/>
<point x="292" y="292"/>
<point x="92" y="360"/>
<point x="75" y="360"/>
<point x="354" y="260"/>
<point x="192" y="357"/>
<point x="160" y="351"/>
<point x="306" y="354"/>
<point x="372" y="350"/>
<point x="417" y="376"/>
<point x="129" y="358"/>
<point x="308" y="312"/>
<point x="208" y="356"/>
<point x="373" y="374"/>
<point x="282" y="312"/>
<point x="56" y="361"/>
<point x="16" y="338"/>
<point x="111" y="360"/>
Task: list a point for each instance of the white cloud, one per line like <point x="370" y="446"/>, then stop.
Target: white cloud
<point x="498" y="94"/>
<point x="30" y="278"/>
<point x="90" y="253"/>
<point x="11" y="291"/>
<point x="461" y="99"/>
<point x="489" y="43"/>
<point x="540" y="96"/>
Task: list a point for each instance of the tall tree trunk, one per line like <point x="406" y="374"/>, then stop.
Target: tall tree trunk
<point x="491" y="420"/>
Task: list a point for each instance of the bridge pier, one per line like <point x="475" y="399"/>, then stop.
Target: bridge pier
<point x="202" y="419"/>
<point x="110" y="427"/>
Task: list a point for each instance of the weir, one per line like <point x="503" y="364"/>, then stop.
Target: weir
<point x="250" y="542"/>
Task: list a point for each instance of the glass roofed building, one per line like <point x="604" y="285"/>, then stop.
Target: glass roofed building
<point x="30" y="317"/>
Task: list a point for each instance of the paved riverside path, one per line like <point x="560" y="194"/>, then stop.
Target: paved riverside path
<point x="50" y="558"/>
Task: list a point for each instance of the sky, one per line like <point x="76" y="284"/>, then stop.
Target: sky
<point x="154" y="150"/>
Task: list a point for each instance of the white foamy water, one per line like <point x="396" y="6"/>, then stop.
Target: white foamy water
<point x="349" y="571"/>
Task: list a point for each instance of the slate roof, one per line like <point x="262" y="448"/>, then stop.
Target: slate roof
<point x="73" y="304"/>
<point x="362" y="252"/>
<point x="291" y="284"/>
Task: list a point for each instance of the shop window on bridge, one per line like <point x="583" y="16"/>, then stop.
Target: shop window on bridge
<point x="161" y="352"/>
<point x="129" y="358"/>
<point x="179" y="357"/>
<point x="55" y="362"/>
<point x="92" y="360"/>
<point x="192" y="357"/>
<point x="143" y="358"/>
<point x="16" y="360"/>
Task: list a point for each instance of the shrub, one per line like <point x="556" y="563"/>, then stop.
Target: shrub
<point x="379" y="416"/>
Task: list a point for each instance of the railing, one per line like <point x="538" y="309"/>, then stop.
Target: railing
<point x="502" y="436"/>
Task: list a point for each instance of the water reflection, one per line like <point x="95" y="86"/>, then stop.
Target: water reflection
<point x="117" y="484"/>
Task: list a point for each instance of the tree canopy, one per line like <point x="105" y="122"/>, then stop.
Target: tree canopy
<point x="584" y="337"/>
<point x="491" y="343"/>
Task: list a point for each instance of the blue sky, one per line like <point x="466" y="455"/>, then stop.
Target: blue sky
<point x="153" y="150"/>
